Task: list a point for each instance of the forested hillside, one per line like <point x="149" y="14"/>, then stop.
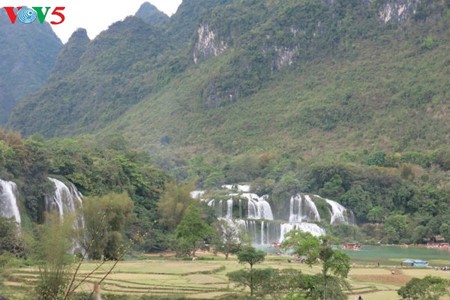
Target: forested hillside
<point x="347" y="99"/>
<point x="27" y="56"/>
<point x="237" y="76"/>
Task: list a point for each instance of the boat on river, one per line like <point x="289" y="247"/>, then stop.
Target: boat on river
<point x="415" y="263"/>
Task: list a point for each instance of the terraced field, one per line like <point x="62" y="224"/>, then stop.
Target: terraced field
<point x="167" y="278"/>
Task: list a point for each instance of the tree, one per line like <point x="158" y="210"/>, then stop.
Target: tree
<point x="105" y="219"/>
<point x="250" y="255"/>
<point x="318" y="249"/>
<point x="375" y="214"/>
<point x="429" y="287"/>
<point x="10" y="239"/>
<point x="228" y="238"/>
<point x="396" y="228"/>
<point x="53" y="242"/>
<point x="256" y="280"/>
<point x="173" y="204"/>
<point x="192" y="230"/>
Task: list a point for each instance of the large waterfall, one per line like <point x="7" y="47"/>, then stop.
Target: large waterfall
<point x="8" y="200"/>
<point x="65" y="200"/>
<point x="254" y="215"/>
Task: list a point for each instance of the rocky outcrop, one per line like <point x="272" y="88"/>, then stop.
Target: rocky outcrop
<point x="207" y="44"/>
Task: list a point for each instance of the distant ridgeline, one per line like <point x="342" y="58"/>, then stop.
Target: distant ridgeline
<point x="254" y="214"/>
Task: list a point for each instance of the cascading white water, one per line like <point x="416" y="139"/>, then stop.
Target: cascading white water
<point x="259" y="222"/>
<point x="303" y="209"/>
<point x="197" y="194"/>
<point x="258" y="207"/>
<point x="262" y="232"/>
<point x="314" y="229"/>
<point x="338" y="213"/>
<point x="229" y="214"/>
<point x="8" y="200"/>
<point x="240" y="188"/>
<point x="65" y="200"/>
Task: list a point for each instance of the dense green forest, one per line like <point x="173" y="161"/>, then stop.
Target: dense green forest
<point x="96" y="167"/>
<point x="396" y="197"/>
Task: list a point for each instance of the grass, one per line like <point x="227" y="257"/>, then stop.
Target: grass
<point x="170" y="278"/>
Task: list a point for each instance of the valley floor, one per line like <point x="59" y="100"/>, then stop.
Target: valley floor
<point x="162" y="276"/>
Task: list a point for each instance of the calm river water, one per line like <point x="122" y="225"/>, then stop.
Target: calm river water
<point x="394" y="255"/>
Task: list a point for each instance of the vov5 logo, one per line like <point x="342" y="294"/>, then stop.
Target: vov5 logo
<point x="29" y="15"/>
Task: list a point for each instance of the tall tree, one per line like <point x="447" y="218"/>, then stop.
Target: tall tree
<point x="228" y="239"/>
<point x="192" y="231"/>
<point x="105" y="219"/>
<point x="173" y="204"/>
<point x="318" y="249"/>
<point x="250" y="255"/>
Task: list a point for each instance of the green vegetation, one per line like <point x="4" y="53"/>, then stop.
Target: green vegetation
<point x="429" y="287"/>
<point x="105" y="220"/>
<point x="53" y="242"/>
<point x="322" y="97"/>
<point x="319" y="250"/>
<point x="120" y="185"/>
<point x="251" y="278"/>
<point x="27" y="57"/>
<point x="192" y="232"/>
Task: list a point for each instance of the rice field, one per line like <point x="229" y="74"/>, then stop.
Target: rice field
<point x="167" y="278"/>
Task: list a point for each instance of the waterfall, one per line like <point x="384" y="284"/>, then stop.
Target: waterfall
<point x="240" y="188"/>
<point x="338" y="213"/>
<point x="8" y="200"/>
<point x="65" y="200"/>
<point x="262" y="232"/>
<point x="257" y="219"/>
<point x="229" y="214"/>
<point x="314" y="229"/>
<point x="197" y="194"/>
<point x="258" y="207"/>
<point x="303" y="209"/>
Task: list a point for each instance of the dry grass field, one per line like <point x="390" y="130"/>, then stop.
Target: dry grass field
<point x="166" y="277"/>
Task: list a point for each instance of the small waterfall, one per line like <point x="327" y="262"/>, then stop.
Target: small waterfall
<point x="262" y="232"/>
<point x="229" y="209"/>
<point x="314" y="229"/>
<point x="65" y="200"/>
<point x="303" y="209"/>
<point x="8" y="200"/>
<point x="258" y="207"/>
<point x="338" y="213"/>
<point x="197" y="194"/>
<point x="240" y="188"/>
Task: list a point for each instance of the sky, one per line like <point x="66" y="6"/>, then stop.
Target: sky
<point x="92" y="15"/>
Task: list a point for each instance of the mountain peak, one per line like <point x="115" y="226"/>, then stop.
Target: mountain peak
<point x="79" y="35"/>
<point x="150" y="14"/>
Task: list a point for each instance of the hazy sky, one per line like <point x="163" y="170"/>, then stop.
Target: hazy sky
<point x="94" y="15"/>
